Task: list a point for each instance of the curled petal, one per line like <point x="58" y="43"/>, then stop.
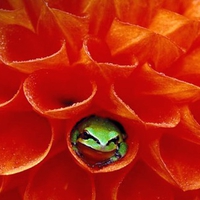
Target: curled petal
<point x="95" y="56"/>
<point x="189" y="124"/>
<point x="59" y="25"/>
<point x="174" y="158"/>
<point x="145" y="45"/>
<point x="143" y="183"/>
<point x="113" y="180"/>
<point x="188" y="67"/>
<point x="60" y="178"/>
<point x="25" y="140"/>
<point x="124" y="11"/>
<point x="111" y="102"/>
<point x="192" y="10"/>
<point x="74" y="29"/>
<point x="16" y="42"/>
<point x="59" y="94"/>
<point x="17" y="16"/>
<point x="122" y="37"/>
<point x="151" y="108"/>
<point x="155" y="111"/>
<point x="99" y="52"/>
<point x="101" y="14"/>
<point x="28" y="50"/>
<point x="171" y="24"/>
<point x="19" y="43"/>
<point x="54" y="61"/>
<point x="150" y="82"/>
<point x="182" y="161"/>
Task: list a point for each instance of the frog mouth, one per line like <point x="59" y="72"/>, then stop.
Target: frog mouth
<point x="93" y="156"/>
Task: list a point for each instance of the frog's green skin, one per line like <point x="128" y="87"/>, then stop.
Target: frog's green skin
<point x="102" y="135"/>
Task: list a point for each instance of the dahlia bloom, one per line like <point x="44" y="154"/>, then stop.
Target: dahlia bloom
<point x="135" y="62"/>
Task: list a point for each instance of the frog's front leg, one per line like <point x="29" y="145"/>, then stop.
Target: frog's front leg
<point x="74" y="138"/>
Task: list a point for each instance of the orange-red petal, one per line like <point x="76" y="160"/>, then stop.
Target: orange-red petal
<point x="59" y="94"/>
<point x="60" y="178"/>
<point x="25" y="139"/>
<point x="133" y="12"/>
<point x="143" y="44"/>
<point x="182" y="161"/>
<point x="171" y="24"/>
<point x="143" y="183"/>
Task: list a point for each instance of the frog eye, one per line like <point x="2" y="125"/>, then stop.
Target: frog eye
<point x="114" y="140"/>
<point x="85" y="136"/>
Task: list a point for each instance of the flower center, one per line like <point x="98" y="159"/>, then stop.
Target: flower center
<point x="98" y="141"/>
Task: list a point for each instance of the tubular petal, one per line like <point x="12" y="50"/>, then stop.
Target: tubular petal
<point x="25" y="140"/>
<point x="193" y="10"/>
<point x="143" y="44"/>
<point x="145" y="184"/>
<point x="95" y="57"/>
<point x="59" y="94"/>
<point x="182" y="160"/>
<point x="106" y="184"/>
<point x="151" y="82"/>
<point x="55" y="61"/>
<point x="151" y="108"/>
<point x="17" y="16"/>
<point x="60" y="178"/>
<point x="188" y="67"/>
<point x="150" y="153"/>
<point x="170" y="24"/>
<point x="189" y="126"/>
<point x="124" y="11"/>
<point x="174" y="158"/>
<point x="101" y="14"/>
<point x="155" y="111"/>
<point x="73" y="28"/>
<point x="19" y="43"/>
<point x="16" y="42"/>
<point x="116" y="105"/>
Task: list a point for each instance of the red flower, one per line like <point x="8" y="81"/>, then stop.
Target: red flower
<point x="136" y="63"/>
